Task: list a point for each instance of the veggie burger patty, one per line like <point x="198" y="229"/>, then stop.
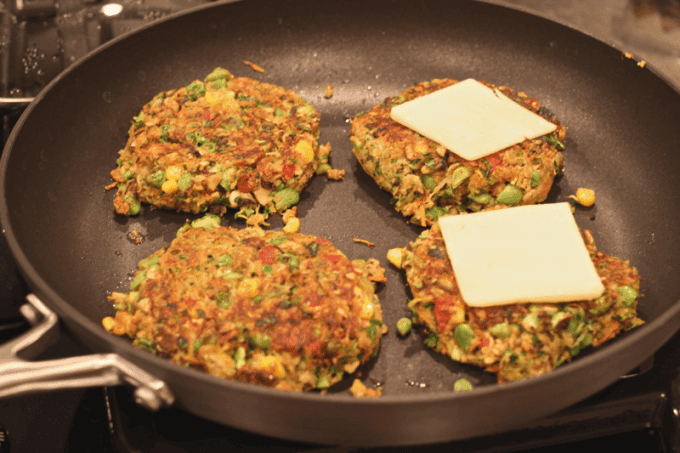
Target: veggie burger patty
<point x="428" y="181"/>
<point x="284" y="310"/>
<point x="521" y="340"/>
<point x="222" y="142"/>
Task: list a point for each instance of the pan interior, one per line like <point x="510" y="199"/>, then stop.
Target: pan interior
<point x="621" y="120"/>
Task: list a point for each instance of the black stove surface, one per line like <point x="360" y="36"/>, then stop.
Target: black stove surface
<point x="39" y="39"/>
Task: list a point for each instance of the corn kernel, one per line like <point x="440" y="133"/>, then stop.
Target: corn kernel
<point x="586" y="197"/>
<point x="367" y="310"/>
<point x="247" y="287"/>
<point x="292" y="226"/>
<point x="170" y="186"/>
<point x="269" y="361"/>
<point x="174" y="172"/>
<point x="394" y="257"/>
<point x="305" y="150"/>
<point x="108" y="323"/>
<point x="420" y="148"/>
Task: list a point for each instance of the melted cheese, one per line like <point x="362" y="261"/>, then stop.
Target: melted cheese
<point x="520" y="255"/>
<point x="470" y="119"/>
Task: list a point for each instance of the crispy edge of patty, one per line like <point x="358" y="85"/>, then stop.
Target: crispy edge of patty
<point x="427" y="181"/>
<point x="521" y="340"/>
<point x="293" y="314"/>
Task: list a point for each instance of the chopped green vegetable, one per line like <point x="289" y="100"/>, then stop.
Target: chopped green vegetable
<point x="535" y="178"/>
<point x="459" y="175"/>
<point x="218" y="74"/>
<point x="240" y="357"/>
<point x="482" y="198"/>
<point x="290" y="259"/>
<point x="195" y="90"/>
<point x="530" y="322"/>
<point x="147" y="263"/>
<point x="323" y="169"/>
<point x="224" y="260"/>
<point x="510" y="195"/>
<point x="260" y="341"/>
<point x="435" y="212"/>
<point x="207" y="221"/>
<point x="322" y="382"/>
<point x="428" y="181"/>
<point x="500" y="330"/>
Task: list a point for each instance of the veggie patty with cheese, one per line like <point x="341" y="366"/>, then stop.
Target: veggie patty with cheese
<point x="520" y="340"/>
<point x="222" y="142"/>
<point x="427" y="181"/>
<point x="284" y="310"/>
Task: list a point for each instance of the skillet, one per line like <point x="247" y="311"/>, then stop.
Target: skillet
<point x="622" y="141"/>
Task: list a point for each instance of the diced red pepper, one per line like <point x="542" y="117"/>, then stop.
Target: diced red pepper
<point x="441" y="314"/>
<point x="315" y="348"/>
<point x="246" y="183"/>
<point x="335" y="259"/>
<point x="268" y="254"/>
<point x="206" y="114"/>
<point x="288" y="171"/>
<point x="494" y="160"/>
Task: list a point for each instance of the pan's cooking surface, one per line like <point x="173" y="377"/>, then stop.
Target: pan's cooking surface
<point x="74" y="248"/>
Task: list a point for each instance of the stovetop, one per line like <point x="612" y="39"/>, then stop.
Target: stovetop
<point x="38" y="40"/>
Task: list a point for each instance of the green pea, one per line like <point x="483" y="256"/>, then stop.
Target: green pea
<point x="157" y="178"/>
<point x="184" y="181"/>
<point x="535" y="178"/>
<point x="404" y="326"/>
<point x="628" y="294"/>
<point x="464" y="335"/>
<point x="462" y="385"/>
<point x="134" y="204"/>
<point x="285" y="198"/>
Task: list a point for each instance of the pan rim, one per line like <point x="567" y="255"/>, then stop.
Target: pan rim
<point x="53" y="299"/>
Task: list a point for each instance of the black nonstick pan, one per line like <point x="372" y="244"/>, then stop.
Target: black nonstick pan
<point x="623" y="141"/>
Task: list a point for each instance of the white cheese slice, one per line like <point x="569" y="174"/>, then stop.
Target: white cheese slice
<point x="520" y="255"/>
<point x="470" y="119"/>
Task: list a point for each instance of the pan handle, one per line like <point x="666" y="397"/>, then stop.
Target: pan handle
<point x="19" y="376"/>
